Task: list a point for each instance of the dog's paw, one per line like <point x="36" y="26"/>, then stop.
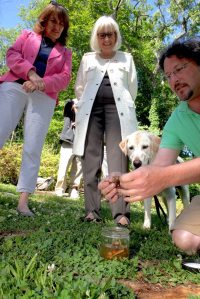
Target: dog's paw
<point x="147" y="225"/>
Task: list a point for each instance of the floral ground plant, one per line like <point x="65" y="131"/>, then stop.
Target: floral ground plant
<point x="55" y="255"/>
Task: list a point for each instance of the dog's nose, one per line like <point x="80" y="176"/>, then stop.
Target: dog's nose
<point x="137" y="163"/>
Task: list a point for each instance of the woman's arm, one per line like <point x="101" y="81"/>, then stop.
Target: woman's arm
<point x="15" y="59"/>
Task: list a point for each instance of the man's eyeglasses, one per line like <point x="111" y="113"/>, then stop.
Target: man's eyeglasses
<point x="103" y="35"/>
<point x="177" y="71"/>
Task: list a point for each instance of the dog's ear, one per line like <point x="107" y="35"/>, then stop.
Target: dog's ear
<point x="123" y="146"/>
<point x="155" y="142"/>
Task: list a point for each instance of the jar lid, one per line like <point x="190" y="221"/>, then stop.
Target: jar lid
<point x="115" y="232"/>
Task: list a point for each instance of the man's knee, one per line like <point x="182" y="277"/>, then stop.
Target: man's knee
<point x="186" y="241"/>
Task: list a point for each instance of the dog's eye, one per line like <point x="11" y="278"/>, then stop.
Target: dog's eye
<point x="144" y="146"/>
<point x="131" y="147"/>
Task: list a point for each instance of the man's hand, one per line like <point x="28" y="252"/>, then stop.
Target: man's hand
<point x="142" y="183"/>
<point x="136" y="185"/>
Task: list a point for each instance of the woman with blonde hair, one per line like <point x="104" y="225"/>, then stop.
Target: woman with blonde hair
<point x="106" y="88"/>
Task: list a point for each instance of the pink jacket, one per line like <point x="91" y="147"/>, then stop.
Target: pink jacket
<point x="21" y="56"/>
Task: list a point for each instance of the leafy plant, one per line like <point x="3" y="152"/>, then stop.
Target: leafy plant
<point x="10" y="163"/>
<point x="55" y="255"/>
<point x="11" y="160"/>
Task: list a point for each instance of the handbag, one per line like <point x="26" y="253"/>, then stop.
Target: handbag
<point x="67" y="133"/>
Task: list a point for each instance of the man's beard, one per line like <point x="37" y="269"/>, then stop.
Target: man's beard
<point x="187" y="97"/>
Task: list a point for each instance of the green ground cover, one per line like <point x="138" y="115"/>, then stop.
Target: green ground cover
<point x="55" y="255"/>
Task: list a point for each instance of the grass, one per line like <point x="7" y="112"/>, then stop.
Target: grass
<point x="54" y="255"/>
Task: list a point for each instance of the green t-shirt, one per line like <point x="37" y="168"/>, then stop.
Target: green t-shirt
<point x="182" y="128"/>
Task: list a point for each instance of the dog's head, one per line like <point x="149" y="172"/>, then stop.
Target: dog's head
<point x="141" y="147"/>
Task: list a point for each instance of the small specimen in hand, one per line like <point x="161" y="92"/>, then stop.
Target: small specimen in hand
<point x="116" y="181"/>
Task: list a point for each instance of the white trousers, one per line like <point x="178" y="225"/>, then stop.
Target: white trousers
<point x="68" y="162"/>
<point x="38" y="109"/>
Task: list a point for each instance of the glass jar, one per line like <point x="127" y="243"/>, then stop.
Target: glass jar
<point x="114" y="243"/>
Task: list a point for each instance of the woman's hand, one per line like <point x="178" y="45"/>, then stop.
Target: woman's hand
<point x="36" y="80"/>
<point x="28" y="86"/>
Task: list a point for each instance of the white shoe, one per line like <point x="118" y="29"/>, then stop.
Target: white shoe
<point x="59" y="193"/>
<point x="44" y="183"/>
<point x="74" y="194"/>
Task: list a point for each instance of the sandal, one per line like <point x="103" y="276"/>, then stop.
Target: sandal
<point x="86" y="219"/>
<point x="125" y="221"/>
<point x="90" y="218"/>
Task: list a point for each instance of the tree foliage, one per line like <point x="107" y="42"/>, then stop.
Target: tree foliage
<point x="146" y="28"/>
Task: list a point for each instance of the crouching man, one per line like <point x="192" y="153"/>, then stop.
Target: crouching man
<point x="180" y="63"/>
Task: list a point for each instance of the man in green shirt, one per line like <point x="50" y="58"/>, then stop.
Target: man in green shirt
<point x="180" y="63"/>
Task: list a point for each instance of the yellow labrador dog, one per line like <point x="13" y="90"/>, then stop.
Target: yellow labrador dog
<point x="141" y="148"/>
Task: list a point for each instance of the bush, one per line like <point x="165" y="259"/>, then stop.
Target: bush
<point x="10" y="162"/>
<point x="194" y="190"/>
<point x="49" y="163"/>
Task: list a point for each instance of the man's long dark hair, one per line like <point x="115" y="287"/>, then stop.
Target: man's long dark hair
<point x="189" y="48"/>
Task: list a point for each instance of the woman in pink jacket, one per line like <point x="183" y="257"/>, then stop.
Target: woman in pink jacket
<point x="39" y="68"/>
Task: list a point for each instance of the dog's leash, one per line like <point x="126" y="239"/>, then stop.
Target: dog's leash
<point x="158" y="209"/>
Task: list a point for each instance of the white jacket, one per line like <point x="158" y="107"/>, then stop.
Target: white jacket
<point x="123" y="79"/>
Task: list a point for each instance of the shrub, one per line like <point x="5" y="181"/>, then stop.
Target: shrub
<point x="194" y="190"/>
<point x="10" y="163"/>
<point x="49" y="163"/>
<point x="11" y="159"/>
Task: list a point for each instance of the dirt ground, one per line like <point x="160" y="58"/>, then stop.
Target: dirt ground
<point x="145" y="290"/>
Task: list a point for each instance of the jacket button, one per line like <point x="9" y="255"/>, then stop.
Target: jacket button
<point x="118" y="99"/>
<point x="91" y="99"/>
<point x="122" y="113"/>
<point x="111" y="71"/>
<point x="115" y="83"/>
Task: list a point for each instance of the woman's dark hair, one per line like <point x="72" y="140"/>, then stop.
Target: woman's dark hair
<point x="53" y="9"/>
<point x="182" y="49"/>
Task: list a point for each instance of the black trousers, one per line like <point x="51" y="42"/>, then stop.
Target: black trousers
<point x="104" y="119"/>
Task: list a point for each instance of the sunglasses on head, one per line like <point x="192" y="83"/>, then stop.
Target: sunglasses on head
<point x="103" y="35"/>
<point x="55" y="3"/>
